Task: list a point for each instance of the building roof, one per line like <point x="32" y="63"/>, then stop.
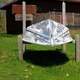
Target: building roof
<point x="7" y="2"/>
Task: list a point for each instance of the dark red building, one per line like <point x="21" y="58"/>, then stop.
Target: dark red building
<point x="38" y="9"/>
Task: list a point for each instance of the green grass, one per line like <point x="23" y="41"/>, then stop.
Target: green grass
<point x="12" y="69"/>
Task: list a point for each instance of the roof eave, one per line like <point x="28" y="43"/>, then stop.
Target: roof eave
<point x="70" y="0"/>
<point x="3" y="5"/>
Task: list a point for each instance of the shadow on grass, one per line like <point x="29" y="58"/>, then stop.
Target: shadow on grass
<point x="45" y="58"/>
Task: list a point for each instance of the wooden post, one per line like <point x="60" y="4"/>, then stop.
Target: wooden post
<point x="3" y="21"/>
<point x="64" y="48"/>
<point x="24" y="17"/>
<point x="64" y="20"/>
<point x="54" y="15"/>
<point x="24" y="23"/>
<point x="73" y="17"/>
<point x="64" y="12"/>
<point x="77" y="53"/>
<point x="21" y="47"/>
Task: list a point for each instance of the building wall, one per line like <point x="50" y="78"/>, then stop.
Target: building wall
<point x="42" y="10"/>
<point x="13" y="27"/>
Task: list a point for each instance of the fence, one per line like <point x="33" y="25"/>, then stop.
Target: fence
<point x="72" y="18"/>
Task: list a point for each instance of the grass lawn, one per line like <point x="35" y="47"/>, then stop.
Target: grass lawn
<point x="41" y="62"/>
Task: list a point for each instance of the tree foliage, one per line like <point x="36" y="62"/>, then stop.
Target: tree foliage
<point x="5" y="1"/>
